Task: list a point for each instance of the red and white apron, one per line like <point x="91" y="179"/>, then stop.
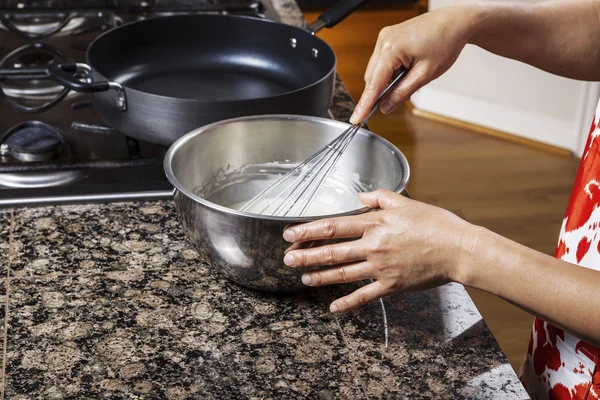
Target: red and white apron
<point x="559" y="365"/>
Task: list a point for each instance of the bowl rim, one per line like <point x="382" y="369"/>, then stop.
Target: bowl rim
<point x="179" y="143"/>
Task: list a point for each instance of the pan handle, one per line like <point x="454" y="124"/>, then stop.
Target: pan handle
<point x="64" y="74"/>
<point x="336" y="14"/>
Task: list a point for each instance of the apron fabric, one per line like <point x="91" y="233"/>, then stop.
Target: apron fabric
<point x="559" y="365"/>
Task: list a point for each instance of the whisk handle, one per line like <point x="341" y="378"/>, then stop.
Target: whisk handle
<point x="400" y="74"/>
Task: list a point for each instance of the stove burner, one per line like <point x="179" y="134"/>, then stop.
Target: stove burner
<point x="33" y="143"/>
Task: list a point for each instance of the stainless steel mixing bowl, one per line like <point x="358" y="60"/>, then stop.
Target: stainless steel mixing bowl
<point x="231" y="161"/>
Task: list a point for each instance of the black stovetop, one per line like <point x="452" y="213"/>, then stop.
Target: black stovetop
<point x="88" y="160"/>
<point x="120" y="5"/>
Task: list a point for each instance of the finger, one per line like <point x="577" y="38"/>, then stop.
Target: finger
<point x="382" y="199"/>
<point x="304" y="245"/>
<point x="382" y="37"/>
<point x="415" y="79"/>
<point x="358" y="298"/>
<point x="372" y="62"/>
<point x="329" y="228"/>
<point x="381" y="74"/>
<point x="340" y="274"/>
<point x="380" y="78"/>
<point x="374" y="58"/>
<point x="326" y="255"/>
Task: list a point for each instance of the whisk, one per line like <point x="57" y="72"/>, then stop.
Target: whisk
<point x="296" y="190"/>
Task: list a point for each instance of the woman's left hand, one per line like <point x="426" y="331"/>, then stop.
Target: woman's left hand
<point x="405" y="245"/>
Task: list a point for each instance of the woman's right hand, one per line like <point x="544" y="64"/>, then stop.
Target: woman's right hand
<point x="427" y="45"/>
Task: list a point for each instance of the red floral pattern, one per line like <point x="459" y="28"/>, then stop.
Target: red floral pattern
<point x="546" y="354"/>
<point x="558" y="365"/>
<point x="585" y="196"/>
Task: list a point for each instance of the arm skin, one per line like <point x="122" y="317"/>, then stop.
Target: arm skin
<point x="557" y="36"/>
<point x="406" y="245"/>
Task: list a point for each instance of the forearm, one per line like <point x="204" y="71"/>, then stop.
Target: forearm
<point x="558" y="36"/>
<point x="563" y="294"/>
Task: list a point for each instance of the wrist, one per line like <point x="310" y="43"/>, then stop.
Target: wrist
<point x="468" y="259"/>
<point x="475" y="15"/>
<point x="487" y="259"/>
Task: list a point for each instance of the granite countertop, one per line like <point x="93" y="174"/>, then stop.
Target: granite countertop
<point x="110" y="301"/>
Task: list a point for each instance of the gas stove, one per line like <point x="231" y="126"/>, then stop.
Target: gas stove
<point x="54" y="148"/>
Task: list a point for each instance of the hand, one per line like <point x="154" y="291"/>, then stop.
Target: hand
<point x="405" y="246"/>
<point x="427" y="45"/>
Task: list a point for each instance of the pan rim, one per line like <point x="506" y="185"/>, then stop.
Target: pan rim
<point x="100" y="74"/>
<point x="168" y="161"/>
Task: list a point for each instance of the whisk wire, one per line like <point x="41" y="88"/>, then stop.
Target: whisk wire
<point x="303" y="189"/>
<point x="299" y="186"/>
<point x="265" y="191"/>
<point x="316" y="191"/>
<point x="338" y="154"/>
<point x="313" y="174"/>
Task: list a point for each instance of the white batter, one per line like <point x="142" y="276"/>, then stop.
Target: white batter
<point x="315" y="209"/>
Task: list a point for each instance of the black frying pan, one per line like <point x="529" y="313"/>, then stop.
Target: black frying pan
<point x="159" y="78"/>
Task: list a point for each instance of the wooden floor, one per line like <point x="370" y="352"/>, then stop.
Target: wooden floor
<point x="517" y="191"/>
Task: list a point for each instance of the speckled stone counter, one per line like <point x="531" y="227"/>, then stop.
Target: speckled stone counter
<point x="110" y="301"/>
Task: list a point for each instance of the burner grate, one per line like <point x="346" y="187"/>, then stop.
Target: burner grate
<point x="95" y="163"/>
<point x="79" y="165"/>
<point x="123" y="5"/>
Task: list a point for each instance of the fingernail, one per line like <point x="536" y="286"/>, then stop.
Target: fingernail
<point x="288" y="235"/>
<point x="306" y="279"/>
<point x="288" y="260"/>
<point x="333" y="308"/>
<point x="352" y="118"/>
<point x="386" y="106"/>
